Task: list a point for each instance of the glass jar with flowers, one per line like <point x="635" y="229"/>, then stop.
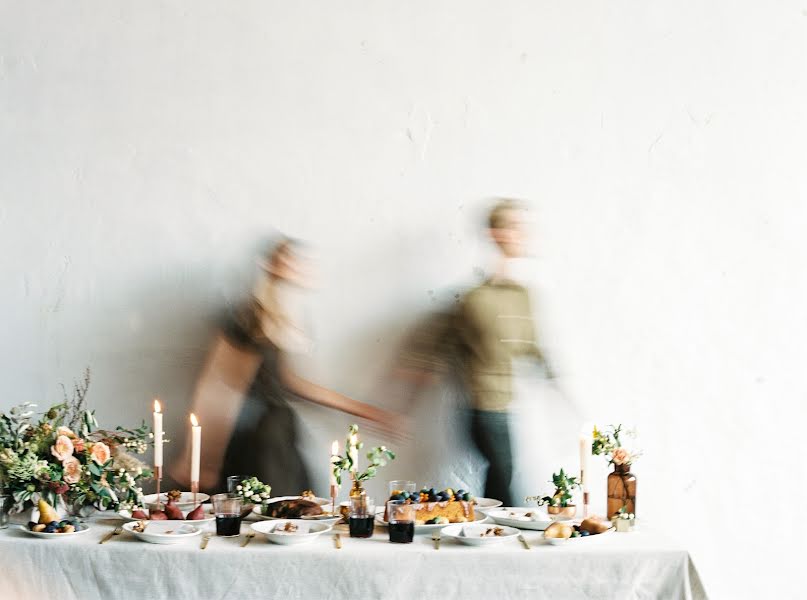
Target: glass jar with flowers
<point x="621" y="482"/>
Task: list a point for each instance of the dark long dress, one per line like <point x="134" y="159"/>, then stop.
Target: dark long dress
<point x="264" y="440"/>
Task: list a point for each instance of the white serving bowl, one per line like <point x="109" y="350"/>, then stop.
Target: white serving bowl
<point x="515" y="516"/>
<point x="209" y="516"/>
<point x="307" y="531"/>
<point x="157" y="531"/>
<point x="52" y="536"/>
<point x="471" y="534"/>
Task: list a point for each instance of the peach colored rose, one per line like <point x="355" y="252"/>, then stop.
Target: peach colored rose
<point x="72" y="470"/>
<point x="62" y="430"/>
<point x="63" y="447"/>
<point x="78" y="445"/>
<point x="100" y="452"/>
<point x="620" y="456"/>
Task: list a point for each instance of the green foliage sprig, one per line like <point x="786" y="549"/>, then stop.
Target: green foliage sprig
<point x="378" y="457"/>
<point x="564" y="484"/>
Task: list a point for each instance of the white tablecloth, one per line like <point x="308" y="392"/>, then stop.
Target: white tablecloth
<point x="639" y="564"/>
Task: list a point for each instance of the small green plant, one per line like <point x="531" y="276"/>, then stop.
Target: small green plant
<point x="564" y="484"/>
<point x="378" y="457"/>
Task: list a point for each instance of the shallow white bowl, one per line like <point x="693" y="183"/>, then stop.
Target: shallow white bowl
<point x="156" y="531"/>
<point x="185" y="501"/>
<point x="308" y="531"/>
<point x="470" y="534"/>
<point x="51" y="536"/>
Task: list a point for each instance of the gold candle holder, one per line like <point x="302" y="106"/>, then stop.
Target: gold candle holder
<point x="158" y="475"/>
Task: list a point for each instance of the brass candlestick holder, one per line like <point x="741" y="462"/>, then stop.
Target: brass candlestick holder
<point x="584" y="487"/>
<point x="334" y="492"/>
<point x="158" y="475"/>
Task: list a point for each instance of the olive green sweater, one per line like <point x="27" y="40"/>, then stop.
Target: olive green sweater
<point x="494" y="326"/>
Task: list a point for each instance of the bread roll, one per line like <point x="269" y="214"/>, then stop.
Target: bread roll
<point x="595" y="525"/>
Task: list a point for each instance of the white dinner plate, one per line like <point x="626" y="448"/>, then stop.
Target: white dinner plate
<point x="50" y="536"/>
<point x="515" y="516"/>
<point x="307" y="531"/>
<point x="185" y="501"/>
<point x="486" y="504"/>
<point x="164" y="532"/>
<point x="209" y="516"/>
<point x="479" y="535"/>
<point x="478" y="518"/>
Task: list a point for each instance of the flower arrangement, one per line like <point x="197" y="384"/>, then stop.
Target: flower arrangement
<point x="378" y="457"/>
<point x="253" y="491"/>
<point x="65" y="459"/>
<point x="564" y="485"/>
<point x="609" y="444"/>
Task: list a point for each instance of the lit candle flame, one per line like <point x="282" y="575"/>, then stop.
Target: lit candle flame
<point x="194" y="422"/>
<point x="157" y="407"/>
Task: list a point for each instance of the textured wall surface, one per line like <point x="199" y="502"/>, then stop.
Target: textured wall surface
<point x="146" y="148"/>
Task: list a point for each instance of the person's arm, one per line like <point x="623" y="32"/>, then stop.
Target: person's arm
<point x="320" y="395"/>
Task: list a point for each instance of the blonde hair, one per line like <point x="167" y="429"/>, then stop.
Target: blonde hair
<point x="497" y="217"/>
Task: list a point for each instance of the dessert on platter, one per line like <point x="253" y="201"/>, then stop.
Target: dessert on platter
<point x="293" y="508"/>
<point x="438" y="508"/>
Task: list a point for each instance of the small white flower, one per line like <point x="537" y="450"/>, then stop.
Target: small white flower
<point x="238" y="487"/>
<point x="632" y="516"/>
<point x="256" y="498"/>
<point x="264" y="495"/>
<point x="151" y="435"/>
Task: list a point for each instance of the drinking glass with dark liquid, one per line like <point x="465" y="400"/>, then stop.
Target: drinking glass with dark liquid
<point x="401" y="521"/>
<point x="361" y="517"/>
<point x="228" y="514"/>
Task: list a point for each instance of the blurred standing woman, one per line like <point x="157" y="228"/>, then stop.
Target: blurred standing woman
<point x="246" y="385"/>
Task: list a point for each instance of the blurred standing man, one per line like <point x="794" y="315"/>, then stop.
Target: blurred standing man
<point x="495" y="326"/>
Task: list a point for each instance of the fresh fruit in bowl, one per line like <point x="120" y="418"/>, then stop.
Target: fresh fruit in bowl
<point x="47" y="513"/>
<point x="558" y="530"/>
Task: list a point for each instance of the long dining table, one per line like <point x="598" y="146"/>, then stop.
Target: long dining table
<point x="639" y="564"/>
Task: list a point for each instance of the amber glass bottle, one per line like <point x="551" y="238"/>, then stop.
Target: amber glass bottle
<point x="621" y="490"/>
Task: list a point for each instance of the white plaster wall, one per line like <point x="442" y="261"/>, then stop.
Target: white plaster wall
<point x="146" y="148"/>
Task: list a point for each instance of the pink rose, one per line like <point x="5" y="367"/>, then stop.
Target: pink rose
<point x="72" y="470"/>
<point x="100" y="452"/>
<point x="63" y="448"/>
<point x="66" y="431"/>
<point x="78" y="445"/>
<point x="620" y="456"/>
